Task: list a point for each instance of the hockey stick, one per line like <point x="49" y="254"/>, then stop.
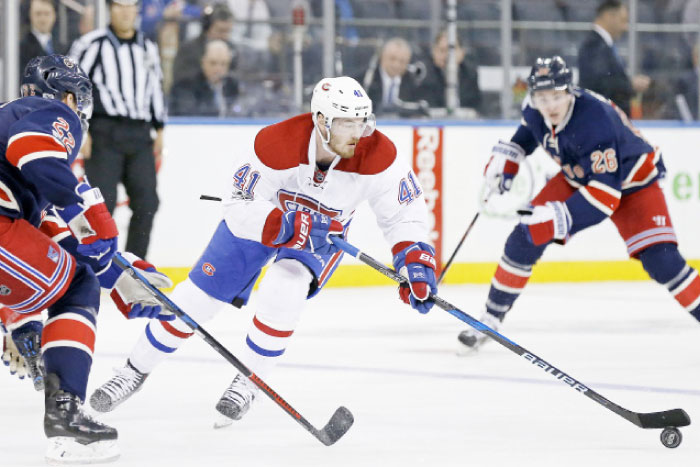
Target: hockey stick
<point x="668" y="419"/>
<point x="340" y="422"/>
<point x="459" y="245"/>
<point x="209" y="198"/>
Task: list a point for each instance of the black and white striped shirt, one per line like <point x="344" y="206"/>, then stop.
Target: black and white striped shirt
<point x="126" y="75"/>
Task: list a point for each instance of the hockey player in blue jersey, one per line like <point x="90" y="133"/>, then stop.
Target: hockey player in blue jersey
<point x="60" y="266"/>
<point x="607" y="170"/>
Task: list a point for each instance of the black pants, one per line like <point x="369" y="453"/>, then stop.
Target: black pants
<point x="122" y="151"/>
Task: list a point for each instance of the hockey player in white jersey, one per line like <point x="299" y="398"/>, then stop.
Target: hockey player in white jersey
<point x="303" y="182"/>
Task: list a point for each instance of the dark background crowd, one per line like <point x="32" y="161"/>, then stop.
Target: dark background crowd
<point x="234" y="58"/>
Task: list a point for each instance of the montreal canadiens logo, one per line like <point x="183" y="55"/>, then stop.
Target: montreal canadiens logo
<point x="208" y="269"/>
<point x="326" y="86"/>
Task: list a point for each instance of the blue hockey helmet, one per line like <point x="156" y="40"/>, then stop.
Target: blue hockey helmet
<point x="549" y="73"/>
<point x="52" y="76"/>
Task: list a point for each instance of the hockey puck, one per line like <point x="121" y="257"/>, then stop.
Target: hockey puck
<point x="671" y="437"/>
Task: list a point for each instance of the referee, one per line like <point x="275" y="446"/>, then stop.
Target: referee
<point x="126" y="130"/>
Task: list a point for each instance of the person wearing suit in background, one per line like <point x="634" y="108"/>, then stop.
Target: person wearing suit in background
<point x="388" y="84"/>
<point x="212" y="91"/>
<point x="217" y="23"/>
<point x="39" y="41"/>
<point x="432" y="88"/>
<point x="600" y="67"/>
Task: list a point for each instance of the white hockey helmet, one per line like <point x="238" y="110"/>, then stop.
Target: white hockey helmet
<point x="342" y="97"/>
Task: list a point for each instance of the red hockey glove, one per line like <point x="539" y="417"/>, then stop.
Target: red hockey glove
<point x="549" y="222"/>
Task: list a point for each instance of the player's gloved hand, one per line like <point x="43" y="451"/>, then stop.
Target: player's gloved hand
<point x="27" y="339"/>
<point x="417" y="263"/>
<point x="131" y="298"/>
<point x="12" y="358"/>
<point x="546" y="223"/>
<point x="503" y="165"/>
<point x="307" y="231"/>
<point x="90" y="222"/>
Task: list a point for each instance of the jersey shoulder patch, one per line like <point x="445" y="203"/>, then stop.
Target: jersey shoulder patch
<point x="373" y="154"/>
<point x="285" y="145"/>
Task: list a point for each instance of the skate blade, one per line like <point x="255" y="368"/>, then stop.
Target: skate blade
<point x="63" y="450"/>
<point x="222" y="421"/>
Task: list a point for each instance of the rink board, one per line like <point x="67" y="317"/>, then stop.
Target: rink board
<point x="201" y="157"/>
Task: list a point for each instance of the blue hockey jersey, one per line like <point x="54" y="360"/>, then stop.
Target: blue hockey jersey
<point x="600" y="153"/>
<point x="39" y="140"/>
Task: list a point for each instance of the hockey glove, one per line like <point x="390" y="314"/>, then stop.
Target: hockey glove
<point x="305" y="231"/>
<point x="91" y="223"/>
<point x="27" y="340"/>
<point x="12" y="358"/>
<point x="546" y="223"/>
<point x="417" y="263"/>
<point x="132" y="299"/>
<point x="503" y="166"/>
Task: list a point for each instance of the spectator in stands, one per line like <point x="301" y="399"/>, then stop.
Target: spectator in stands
<point x="217" y="23"/>
<point x="600" y="67"/>
<point x="39" y="41"/>
<point x="212" y="91"/>
<point x="432" y="87"/>
<point x="387" y="83"/>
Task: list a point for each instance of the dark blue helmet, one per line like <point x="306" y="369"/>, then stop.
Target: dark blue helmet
<point x="549" y="73"/>
<point x="53" y="76"/>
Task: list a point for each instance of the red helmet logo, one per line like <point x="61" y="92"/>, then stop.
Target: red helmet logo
<point x="326" y="86"/>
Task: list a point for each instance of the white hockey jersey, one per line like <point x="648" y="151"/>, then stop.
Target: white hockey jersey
<point x="282" y="174"/>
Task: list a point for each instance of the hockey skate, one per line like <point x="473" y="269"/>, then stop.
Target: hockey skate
<point x="27" y="339"/>
<point x="471" y="339"/>
<point x="119" y="388"/>
<point x="74" y="437"/>
<point x="235" y="401"/>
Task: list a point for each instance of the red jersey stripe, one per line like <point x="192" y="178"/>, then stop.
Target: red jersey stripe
<point x="34" y="142"/>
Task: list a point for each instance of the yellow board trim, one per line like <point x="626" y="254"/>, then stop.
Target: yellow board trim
<point x="357" y="275"/>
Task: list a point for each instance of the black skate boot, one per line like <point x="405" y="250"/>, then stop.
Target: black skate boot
<point x="235" y="401"/>
<point x="125" y="383"/>
<point x="27" y="339"/>
<point x="74" y="437"/>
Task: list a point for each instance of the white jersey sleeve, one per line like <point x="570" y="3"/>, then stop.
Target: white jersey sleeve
<point x="399" y="205"/>
<point x="250" y="198"/>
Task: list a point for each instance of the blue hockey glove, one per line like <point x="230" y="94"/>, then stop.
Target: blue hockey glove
<point x="417" y="263"/>
<point x="90" y="222"/>
<point x="307" y="231"/>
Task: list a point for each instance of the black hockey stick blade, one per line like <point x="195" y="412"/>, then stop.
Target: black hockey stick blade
<point x="209" y="198"/>
<point x="674" y="417"/>
<point x="340" y="422"/>
<point x="337" y="426"/>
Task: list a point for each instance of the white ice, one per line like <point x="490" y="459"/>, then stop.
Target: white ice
<point x="415" y="402"/>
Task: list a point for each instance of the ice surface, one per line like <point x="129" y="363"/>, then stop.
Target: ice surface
<point x="415" y="402"/>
